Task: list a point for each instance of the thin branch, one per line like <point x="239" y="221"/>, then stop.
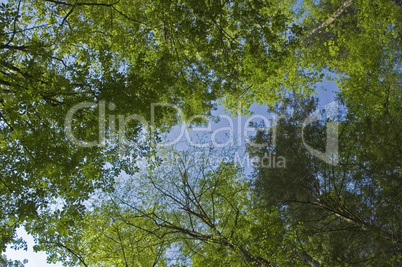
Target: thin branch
<point x="16" y="47"/>
<point x="66" y="16"/>
<point x="127" y="17"/>
<point x="32" y="28"/>
<point x="4" y="119"/>
<point x="72" y="252"/>
<point x="3" y="82"/>
<point x="4" y="183"/>
<point x="112" y="5"/>
<point x="58" y="2"/>
<point x="306" y="258"/>
<point x="15" y="23"/>
<point x="80" y="4"/>
<point x="16" y="69"/>
<point x="330" y="20"/>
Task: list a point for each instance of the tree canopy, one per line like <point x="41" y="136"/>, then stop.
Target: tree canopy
<point x="345" y="214"/>
<point x="88" y="87"/>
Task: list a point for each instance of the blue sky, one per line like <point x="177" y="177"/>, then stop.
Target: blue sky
<point x="39" y="259"/>
<point x="325" y="96"/>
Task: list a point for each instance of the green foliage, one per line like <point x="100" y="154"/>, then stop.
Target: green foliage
<point x="177" y="215"/>
<point x="195" y="54"/>
<point x="10" y="263"/>
<point x="346" y="214"/>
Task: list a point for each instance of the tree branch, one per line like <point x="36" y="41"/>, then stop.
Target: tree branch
<point x="331" y="19"/>
<point x="306" y="258"/>
<point x="72" y="252"/>
<point x="16" y="47"/>
<point x="15" y="23"/>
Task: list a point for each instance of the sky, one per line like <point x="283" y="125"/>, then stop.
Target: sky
<point x="39" y="259"/>
<point x="325" y="96"/>
<point x="35" y="259"/>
